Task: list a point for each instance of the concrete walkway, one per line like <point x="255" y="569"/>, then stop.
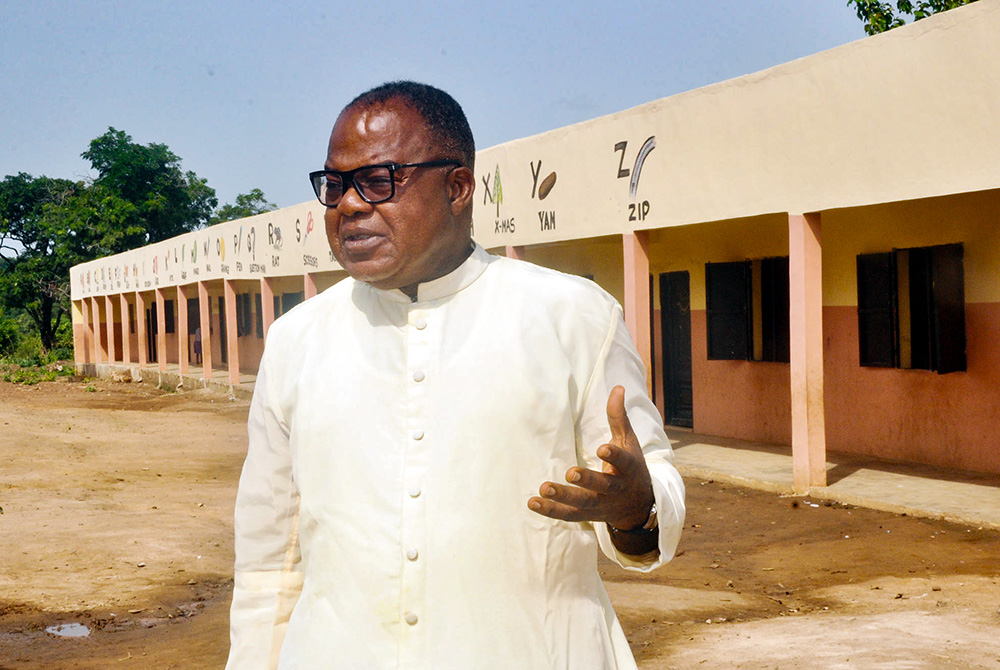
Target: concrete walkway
<point x="960" y="496"/>
<point x="969" y="498"/>
<point x="172" y="378"/>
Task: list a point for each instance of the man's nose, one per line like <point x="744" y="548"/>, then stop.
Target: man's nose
<point x="351" y="201"/>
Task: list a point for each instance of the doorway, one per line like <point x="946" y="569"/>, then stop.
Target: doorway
<point x="675" y="326"/>
<point x="151" y="338"/>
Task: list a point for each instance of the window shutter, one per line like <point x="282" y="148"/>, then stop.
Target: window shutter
<point x="169" y="325"/>
<point x="877" y="309"/>
<point x="948" y="289"/>
<point x="774" y="309"/>
<point x="258" y="311"/>
<point x="289" y="300"/>
<point x="727" y="287"/>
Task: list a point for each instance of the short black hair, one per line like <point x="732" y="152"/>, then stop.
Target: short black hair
<point x="442" y="113"/>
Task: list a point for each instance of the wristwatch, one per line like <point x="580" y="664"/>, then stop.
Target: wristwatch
<point x="648" y="527"/>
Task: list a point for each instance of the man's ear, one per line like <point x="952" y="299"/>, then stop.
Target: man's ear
<point x="461" y="186"/>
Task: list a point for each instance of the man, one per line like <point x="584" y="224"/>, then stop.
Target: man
<point x="424" y="486"/>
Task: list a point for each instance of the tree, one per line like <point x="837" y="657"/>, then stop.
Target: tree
<point x="247" y="204"/>
<point x="880" y="16"/>
<point x="47" y="226"/>
<point x="34" y="272"/>
<point x="168" y="202"/>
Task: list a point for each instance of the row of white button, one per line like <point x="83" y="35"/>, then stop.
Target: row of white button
<point x="412" y="554"/>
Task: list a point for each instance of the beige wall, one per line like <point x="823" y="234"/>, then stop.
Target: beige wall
<point x="970" y="218"/>
<point x="906" y="114"/>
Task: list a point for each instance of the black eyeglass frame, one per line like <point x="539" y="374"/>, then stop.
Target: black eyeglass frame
<point x="347" y="178"/>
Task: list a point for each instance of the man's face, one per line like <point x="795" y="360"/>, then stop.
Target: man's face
<point x="423" y="232"/>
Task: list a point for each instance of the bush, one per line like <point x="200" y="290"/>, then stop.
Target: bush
<point x="31" y="375"/>
<point x="9" y="336"/>
<point x="21" y="344"/>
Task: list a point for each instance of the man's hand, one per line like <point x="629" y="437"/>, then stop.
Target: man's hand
<point x="621" y="494"/>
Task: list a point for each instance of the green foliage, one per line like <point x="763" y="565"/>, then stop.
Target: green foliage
<point x="26" y="349"/>
<point x="247" y="204"/>
<point x="167" y="201"/>
<point x="34" y="255"/>
<point x="10" y="335"/>
<point x="29" y="376"/>
<point x="26" y="362"/>
<point x="49" y="225"/>
<point x="881" y="16"/>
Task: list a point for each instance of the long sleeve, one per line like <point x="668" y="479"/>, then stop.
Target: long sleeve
<point x="619" y="364"/>
<point x="268" y="576"/>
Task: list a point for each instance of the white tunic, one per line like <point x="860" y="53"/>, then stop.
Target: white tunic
<point x="382" y="517"/>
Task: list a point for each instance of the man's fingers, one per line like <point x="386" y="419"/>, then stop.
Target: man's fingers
<point x="555" y="510"/>
<point x="621" y="428"/>
<point x="570" y="495"/>
<point x="598" y="482"/>
<point x="620" y="458"/>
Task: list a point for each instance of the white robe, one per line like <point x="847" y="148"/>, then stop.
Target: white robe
<point x="382" y="517"/>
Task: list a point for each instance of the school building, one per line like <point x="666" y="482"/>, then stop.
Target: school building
<point x="807" y="256"/>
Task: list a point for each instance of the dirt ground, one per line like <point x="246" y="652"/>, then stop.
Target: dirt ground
<point x="116" y="514"/>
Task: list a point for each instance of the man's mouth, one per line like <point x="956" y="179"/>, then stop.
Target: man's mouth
<point x="354" y="237"/>
<point x="360" y="241"/>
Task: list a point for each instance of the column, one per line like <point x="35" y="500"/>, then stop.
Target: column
<point x="81" y="327"/>
<point x="805" y="311"/>
<point x="267" y="302"/>
<point x="161" y="331"/>
<point x="182" y="330"/>
<point x="126" y="330"/>
<point x="100" y="353"/>
<point x="516" y="252"/>
<point x="309" y="286"/>
<point x="109" y="308"/>
<point x="143" y="337"/>
<point x="205" y="323"/>
<point x="636" y="265"/>
<point x="232" y="335"/>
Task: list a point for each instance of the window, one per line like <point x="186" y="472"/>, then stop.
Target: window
<point x="289" y="300"/>
<point x="194" y="315"/>
<point x="259" y="312"/>
<point x="244" y="315"/>
<point x="747" y="310"/>
<point x="168" y="316"/>
<point x="911" y="309"/>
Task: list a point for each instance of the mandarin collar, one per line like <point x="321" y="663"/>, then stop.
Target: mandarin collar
<point x="442" y="287"/>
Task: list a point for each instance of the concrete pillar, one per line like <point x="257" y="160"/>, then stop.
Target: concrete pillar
<point x="100" y="351"/>
<point x="140" y="320"/>
<point x="309" y="286"/>
<point x="232" y="335"/>
<point x="161" y="331"/>
<point x="126" y="330"/>
<point x="182" y="330"/>
<point x="637" y="317"/>
<point x="805" y="312"/>
<point x="109" y="308"/>
<point x="515" y="252"/>
<point x="267" y="302"/>
<point x="83" y="354"/>
<point x="205" y="321"/>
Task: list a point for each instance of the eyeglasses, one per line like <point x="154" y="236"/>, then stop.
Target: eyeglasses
<point x="374" y="183"/>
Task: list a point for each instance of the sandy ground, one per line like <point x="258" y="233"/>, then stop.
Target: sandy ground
<point x="116" y="514"/>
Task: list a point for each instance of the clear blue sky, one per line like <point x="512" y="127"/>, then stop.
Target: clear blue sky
<point x="246" y="92"/>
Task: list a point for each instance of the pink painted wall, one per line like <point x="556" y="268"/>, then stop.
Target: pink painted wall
<point x="251" y="351"/>
<point x="748" y="400"/>
<point x="949" y="420"/>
